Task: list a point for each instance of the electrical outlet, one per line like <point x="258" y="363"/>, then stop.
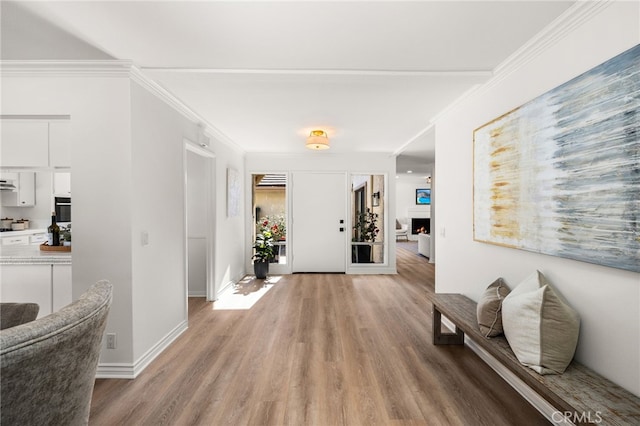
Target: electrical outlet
<point x="111" y="340"/>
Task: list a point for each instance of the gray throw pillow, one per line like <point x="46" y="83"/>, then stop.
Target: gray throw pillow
<point x="489" y="310"/>
<point x="540" y="326"/>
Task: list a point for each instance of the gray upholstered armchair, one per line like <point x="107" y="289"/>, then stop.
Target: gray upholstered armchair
<point x="12" y="314"/>
<point x="48" y="366"/>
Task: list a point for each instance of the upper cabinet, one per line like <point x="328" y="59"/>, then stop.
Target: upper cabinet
<point x="35" y="143"/>
<point x="62" y="184"/>
<point x="25" y="193"/>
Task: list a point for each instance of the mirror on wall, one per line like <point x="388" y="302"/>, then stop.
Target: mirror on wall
<point x="270" y="211"/>
<point x="367" y="218"/>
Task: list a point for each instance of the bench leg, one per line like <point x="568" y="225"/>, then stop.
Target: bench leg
<point x="440" y="338"/>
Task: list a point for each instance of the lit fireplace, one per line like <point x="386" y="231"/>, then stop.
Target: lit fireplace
<point x="420" y="225"/>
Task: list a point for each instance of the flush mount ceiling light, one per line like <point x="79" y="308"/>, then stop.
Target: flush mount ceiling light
<point x="318" y="140"/>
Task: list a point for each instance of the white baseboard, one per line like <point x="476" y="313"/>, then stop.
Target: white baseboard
<point x="198" y="293"/>
<point x="131" y="371"/>
<point x="226" y="287"/>
<point x="521" y="387"/>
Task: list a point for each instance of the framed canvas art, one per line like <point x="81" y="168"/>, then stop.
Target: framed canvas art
<point x="560" y="175"/>
<point x="423" y="196"/>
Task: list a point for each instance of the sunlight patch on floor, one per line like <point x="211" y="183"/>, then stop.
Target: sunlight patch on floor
<point x="245" y="293"/>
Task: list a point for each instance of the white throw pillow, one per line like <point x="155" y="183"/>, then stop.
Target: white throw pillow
<point x="540" y="326"/>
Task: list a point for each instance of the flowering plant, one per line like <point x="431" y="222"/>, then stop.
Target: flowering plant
<point x="263" y="247"/>
<point x="365" y="227"/>
<point x="276" y="225"/>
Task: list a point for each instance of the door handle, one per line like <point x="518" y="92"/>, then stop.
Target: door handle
<point x="341" y="229"/>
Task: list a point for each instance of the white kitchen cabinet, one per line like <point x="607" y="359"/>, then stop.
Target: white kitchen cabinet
<point x="25" y="193"/>
<point x="27" y="283"/>
<point x="38" y="238"/>
<point x="36" y="143"/>
<point x="18" y="240"/>
<point x="25" y="143"/>
<point x="60" y="143"/>
<point x="61" y="284"/>
<point x="62" y="184"/>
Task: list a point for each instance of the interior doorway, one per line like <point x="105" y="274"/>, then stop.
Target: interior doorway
<point x="199" y="221"/>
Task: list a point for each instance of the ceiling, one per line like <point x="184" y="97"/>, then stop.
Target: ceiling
<point x="371" y="73"/>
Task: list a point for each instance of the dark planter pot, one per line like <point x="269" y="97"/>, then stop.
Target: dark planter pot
<point x="361" y="254"/>
<point x="261" y="269"/>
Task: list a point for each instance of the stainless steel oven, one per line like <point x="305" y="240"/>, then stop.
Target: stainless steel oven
<point x="63" y="209"/>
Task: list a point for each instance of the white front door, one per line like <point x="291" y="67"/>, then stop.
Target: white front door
<point x="318" y="235"/>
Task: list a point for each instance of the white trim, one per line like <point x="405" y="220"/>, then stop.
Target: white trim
<point x="556" y="31"/>
<point x="410" y="141"/>
<point x="181" y="107"/>
<point x="131" y="371"/>
<point x="227" y="286"/>
<point x="361" y="72"/>
<point x="197" y="294"/>
<point x="110" y="68"/>
<point x="198" y="149"/>
<point x="516" y="383"/>
<point x="65" y="68"/>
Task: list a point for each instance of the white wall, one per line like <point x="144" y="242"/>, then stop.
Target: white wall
<point x="608" y="299"/>
<point x="128" y="177"/>
<point x="360" y="163"/>
<point x="406" y="197"/>
<point x="102" y="191"/>
<point x="159" y="282"/>
<point x="229" y="231"/>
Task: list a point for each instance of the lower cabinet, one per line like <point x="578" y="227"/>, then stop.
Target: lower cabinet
<point x="47" y="285"/>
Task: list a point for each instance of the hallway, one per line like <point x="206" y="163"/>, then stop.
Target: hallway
<point x="317" y="349"/>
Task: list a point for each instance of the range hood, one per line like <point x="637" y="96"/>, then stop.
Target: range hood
<point x="7" y="185"/>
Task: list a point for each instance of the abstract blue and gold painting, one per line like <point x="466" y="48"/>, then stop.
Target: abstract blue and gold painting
<point x="560" y="175"/>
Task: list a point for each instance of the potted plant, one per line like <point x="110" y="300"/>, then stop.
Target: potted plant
<point x="263" y="254"/>
<point x="366" y="231"/>
<point x="65" y="235"/>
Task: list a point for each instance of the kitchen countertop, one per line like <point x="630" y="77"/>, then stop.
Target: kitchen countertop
<point x="25" y="232"/>
<point x="31" y="254"/>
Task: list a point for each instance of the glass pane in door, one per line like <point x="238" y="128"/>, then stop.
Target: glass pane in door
<point x="270" y="211"/>
<point x="367" y="207"/>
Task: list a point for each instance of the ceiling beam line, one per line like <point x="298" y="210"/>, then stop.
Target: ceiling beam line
<point x="434" y="73"/>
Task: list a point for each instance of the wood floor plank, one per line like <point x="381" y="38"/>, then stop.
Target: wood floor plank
<point x="317" y="349"/>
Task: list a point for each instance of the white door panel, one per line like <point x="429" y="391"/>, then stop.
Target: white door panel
<point x="319" y="204"/>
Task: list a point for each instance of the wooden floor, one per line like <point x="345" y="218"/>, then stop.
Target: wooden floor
<point x="317" y="350"/>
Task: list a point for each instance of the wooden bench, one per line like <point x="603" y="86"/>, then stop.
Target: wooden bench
<point x="579" y="394"/>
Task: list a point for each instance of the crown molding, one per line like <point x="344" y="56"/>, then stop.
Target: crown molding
<point x="65" y="68"/>
<point x="576" y="15"/>
<point x="109" y="68"/>
<point x="139" y="77"/>
<point x="340" y="72"/>
<point x="579" y="13"/>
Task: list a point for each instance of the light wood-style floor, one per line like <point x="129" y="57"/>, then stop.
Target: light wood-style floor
<point x="317" y="349"/>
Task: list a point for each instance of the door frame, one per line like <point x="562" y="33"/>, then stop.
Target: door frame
<point x="372" y="268"/>
<point x="274" y="268"/>
<point x="209" y="199"/>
